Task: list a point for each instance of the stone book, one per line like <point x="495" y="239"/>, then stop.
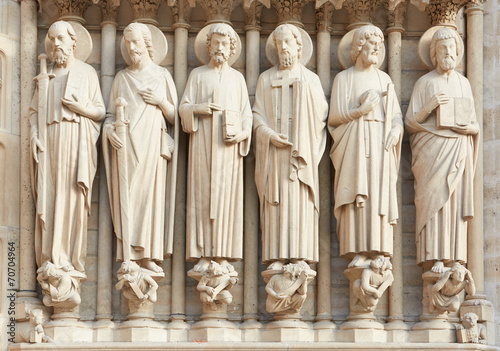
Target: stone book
<point x="231" y="123"/>
<point x="457" y="112"/>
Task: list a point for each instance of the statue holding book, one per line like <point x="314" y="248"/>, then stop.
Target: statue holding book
<point x="444" y="138"/>
<point x="215" y="112"/>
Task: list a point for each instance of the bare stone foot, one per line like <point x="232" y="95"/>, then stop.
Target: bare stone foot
<point x="152" y="266"/>
<point x="438" y="267"/>
<point x="358" y="260"/>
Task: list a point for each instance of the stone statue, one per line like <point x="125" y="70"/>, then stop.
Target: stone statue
<point x="470" y="331"/>
<point x="65" y="117"/>
<point x="444" y="155"/>
<point x="215" y="283"/>
<point x="215" y="112"/>
<point x="138" y="286"/>
<point x="37" y="334"/>
<point x="290" y="114"/>
<point x="374" y="280"/>
<point x="287" y="292"/>
<point x="59" y="287"/>
<point x="138" y="146"/>
<point x="443" y="295"/>
<point x="366" y="124"/>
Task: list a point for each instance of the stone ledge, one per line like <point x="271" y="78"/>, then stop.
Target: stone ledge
<point x="262" y="346"/>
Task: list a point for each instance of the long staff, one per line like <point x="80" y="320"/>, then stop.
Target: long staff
<point x="386" y="160"/>
<point x="121" y="131"/>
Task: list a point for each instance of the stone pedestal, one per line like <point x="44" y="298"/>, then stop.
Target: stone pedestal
<point x="288" y="328"/>
<point x="103" y="330"/>
<point x="67" y="329"/>
<point x="434" y="326"/>
<point x="360" y="317"/>
<point x="251" y="328"/>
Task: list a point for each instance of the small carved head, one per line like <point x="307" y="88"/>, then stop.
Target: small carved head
<point x="446" y="47"/>
<point x="215" y="269"/>
<point x="288" y="44"/>
<point x="469" y="320"/>
<point x="62" y="36"/>
<point x="36" y="316"/>
<point x="367" y="41"/>
<point x="138" y="39"/>
<point x="294" y="269"/>
<point x="458" y="272"/>
<point x="129" y="267"/>
<point x="48" y="269"/>
<point x="221" y="42"/>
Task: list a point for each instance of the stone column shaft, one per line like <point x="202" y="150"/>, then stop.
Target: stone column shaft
<point x="396" y="289"/>
<point x="475" y="241"/>
<point x="105" y="249"/>
<point x="323" y="59"/>
<point x="27" y="264"/>
<point x="180" y="56"/>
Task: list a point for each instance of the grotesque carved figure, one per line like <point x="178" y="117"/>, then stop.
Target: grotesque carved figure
<point x="443" y="294"/>
<point x="215" y="112"/>
<point x="215" y="283"/>
<point x="137" y="147"/>
<point x="366" y="124"/>
<point x="137" y="284"/>
<point x="287" y="292"/>
<point x="470" y="331"/>
<point x="59" y="287"/>
<point x="444" y="139"/>
<point x="65" y="118"/>
<point x="374" y="280"/>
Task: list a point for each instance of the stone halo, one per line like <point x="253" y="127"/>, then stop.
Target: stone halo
<point x="83" y="43"/>
<point x="200" y="47"/>
<point x="160" y="46"/>
<point x="424" y="47"/>
<point x="345" y="47"/>
<point x="307" y="48"/>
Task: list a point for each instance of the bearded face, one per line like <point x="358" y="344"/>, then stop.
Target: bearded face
<point x="220" y="48"/>
<point x="446" y="54"/>
<point x="370" y="50"/>
<point x="287" y="48"/>
<point x="62" y="44"/>
<point x="136" y="46"/>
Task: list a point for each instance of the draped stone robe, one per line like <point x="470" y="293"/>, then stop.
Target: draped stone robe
<point x="214" y="212"/>
<point x="443" y="164"/>
<point x="151" y="180"/>
<point x="358" y="158"/>
<point x="71" y="156"/>
<point x="287" y="178"/>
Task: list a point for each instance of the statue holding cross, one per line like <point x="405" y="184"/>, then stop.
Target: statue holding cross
<point x="290" y="113"/>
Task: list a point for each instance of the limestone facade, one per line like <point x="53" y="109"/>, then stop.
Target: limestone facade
<point x="103" y="310"/>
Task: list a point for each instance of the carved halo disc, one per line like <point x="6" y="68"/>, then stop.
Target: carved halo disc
<point x="83" y="43"/>
<point x="424" y="47"/>
<point x="200" y="47"/>
<point x="160" y="46"/>
<point x="345" y="47"/>
<point x="307" y="49"/>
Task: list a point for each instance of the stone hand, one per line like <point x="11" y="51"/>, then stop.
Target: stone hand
<point x="438" y="99"/>
<point x="240" y="136"/>
<point x="281" y="296"/>
<point x="280" y="140"/>
<point x="36" y="147"/>
<point x="392" y="139"/>
<point x="150" y="97"/>
<point x="76" y="106"/>
<point x="369" y="100"/>
<point x="206" y="108"/>
<point x="114" y="139"/>
<point x="471" y="128"/>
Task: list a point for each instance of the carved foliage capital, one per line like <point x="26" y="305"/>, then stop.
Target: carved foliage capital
<point x="360" y="11"/>
<point x="441" y="12"/>
<point x="109" y="8"/>
<point x="145" y="8"/>
<point x="324" y="16"/>
<point x="182" y="11"/>
<point x="219" y="10"/>
<point x="72" y="7"/>
<point x="397" y="14"/>
<point x="252" y="14"/>
<point x="289" y="11"/>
